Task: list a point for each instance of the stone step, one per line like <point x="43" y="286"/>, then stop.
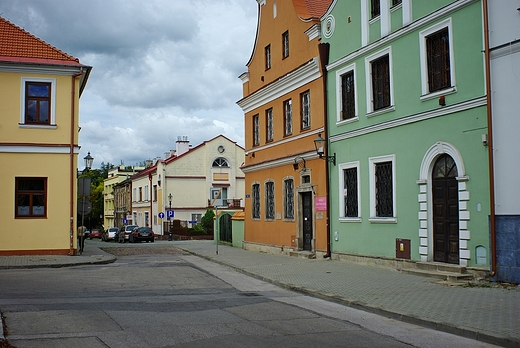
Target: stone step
<point x="303" y="254"/>
<point x="448" y="276"/>
<point x="440" y="267"/>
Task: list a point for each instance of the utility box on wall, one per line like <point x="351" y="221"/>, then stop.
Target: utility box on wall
<point x="402" y="249"/>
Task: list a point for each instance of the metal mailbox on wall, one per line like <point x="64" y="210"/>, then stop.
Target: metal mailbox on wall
<point x="402" y="248"/>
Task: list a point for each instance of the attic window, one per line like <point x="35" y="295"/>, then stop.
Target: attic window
<point x="220" y="162"/>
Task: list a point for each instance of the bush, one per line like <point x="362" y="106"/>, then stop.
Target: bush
<point x="207" y="221"/>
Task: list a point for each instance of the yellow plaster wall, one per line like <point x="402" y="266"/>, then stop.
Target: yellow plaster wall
<point x="50" y="233"/>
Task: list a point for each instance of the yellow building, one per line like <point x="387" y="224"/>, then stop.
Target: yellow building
<point x="40" y="87"/>
<point x="284" y="109"/>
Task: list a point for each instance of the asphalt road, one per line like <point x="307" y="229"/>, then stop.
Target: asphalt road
<point x="164" y="298"/>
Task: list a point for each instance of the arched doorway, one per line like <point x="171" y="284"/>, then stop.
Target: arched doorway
<point x="445" y="194"/>
<point x="225" y="228"/>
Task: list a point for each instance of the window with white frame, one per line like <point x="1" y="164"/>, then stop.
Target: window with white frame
<point x="287" y="116"/>
<point x="382" y="188"/>
<point x="288" y="198"/>
<point x="379" y="80"/>
<point x="195" y="218"/>
<point x="437" y="68"/>
<point x="134" y="195"/>
<point x="255" y="196"/>
<point x="349" y="186"/>
<point x="269" y="126"/>
<point x="269" y="200"/>
<point x="305" y="110"/>
<point x="146" y="193"/>
<point x="375" y="8"/>
<point x="146" y="219"/>
<point x="38" y="100"/>
<point x="346" y="93"/>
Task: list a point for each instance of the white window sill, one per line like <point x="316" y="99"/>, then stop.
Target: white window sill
<point x="345" y="219"/>
<point x="37" y="126"/>
<point x="381" y="111"/>
<point x="437" y="94"/>
<point x="349" y="120"/>
<point x="378" y="220"/>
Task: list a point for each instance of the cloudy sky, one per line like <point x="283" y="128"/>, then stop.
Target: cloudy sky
<point x="161" y="68"/>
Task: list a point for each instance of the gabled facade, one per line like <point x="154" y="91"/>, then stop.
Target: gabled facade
<point x="194" y="177"/>
<point x="284" y="111"/>
<point x="40" y="87"/>
<point x="407" y="119"/>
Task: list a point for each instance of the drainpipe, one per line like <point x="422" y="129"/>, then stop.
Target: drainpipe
<point x="490" y="142"/>
<point x="151" y="200"/>
<point x="323" y="49"/>
<point x="73" y="173"/>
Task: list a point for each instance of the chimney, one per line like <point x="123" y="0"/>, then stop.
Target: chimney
<point x="182" y="145"/>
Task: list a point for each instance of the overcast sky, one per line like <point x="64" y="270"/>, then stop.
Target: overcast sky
<point x="161" y="68"/>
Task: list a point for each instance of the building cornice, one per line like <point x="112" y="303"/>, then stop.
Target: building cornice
<point x="293" y="80"/>
<point x="463" y="106"/>
<point x="279" y="162"/>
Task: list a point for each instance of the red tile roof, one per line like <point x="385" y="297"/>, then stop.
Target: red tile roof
<point x="311" y="9"/>
<point x="18" y="43"/>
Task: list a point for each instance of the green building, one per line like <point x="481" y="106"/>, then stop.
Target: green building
<point x="406" y="110"/>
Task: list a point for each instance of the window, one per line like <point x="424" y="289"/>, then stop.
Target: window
<point x="348" y="97"/>
<point x="269" y="128"/>
<point x="155" y="193"/>
<point x="195" y="218"/>
<point x="256" y="130"/>
<point x="396" y="2"/>
<point x="285" y="44"/>
<point x="31" y="197"/>
<point x="305" y="110"/>
<point x="349" y="197"/>
<point x="220" y="162"/>
<point x="146" y="217"/>
<point x="380" y="83"/>
<point x="382" y="188"/>
<point x="269" y="200"/>
<point x="140" y="194"/>
<point x="267" y="57"/>
<point x="438" y="55"/>
<point x="437" y="69"/>
<point x="375" y="8"/>
<point x="287" y="117"/>
<point x="146" y="193"/>
<point x="37" y="103"/>
<point x="288" y="199"/>
<point x="256" y="201"/>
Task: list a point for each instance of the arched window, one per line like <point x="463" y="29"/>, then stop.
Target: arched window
<point x="220" y="162"/>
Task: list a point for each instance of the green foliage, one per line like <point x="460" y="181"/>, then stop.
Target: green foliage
<point x="207" y="221"/>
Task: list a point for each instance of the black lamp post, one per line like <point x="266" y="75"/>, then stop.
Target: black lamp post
<point x="170" y="196"/>
<point x="85" y="189"/>
<point x="88" y="162"/>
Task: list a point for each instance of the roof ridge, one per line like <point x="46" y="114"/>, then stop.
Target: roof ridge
<point x="18" y="42"/>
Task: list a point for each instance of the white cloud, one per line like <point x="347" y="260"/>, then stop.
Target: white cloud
<point x="161" y="68"/>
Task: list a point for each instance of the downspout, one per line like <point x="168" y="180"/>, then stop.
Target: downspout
<point x="490" y="142"/>
<point x="151" y="200"/>
<point x="323" y="49"/>
<point x="73" y="173"/>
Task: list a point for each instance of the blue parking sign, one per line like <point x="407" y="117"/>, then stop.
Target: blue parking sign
<point x="169" y="213"/>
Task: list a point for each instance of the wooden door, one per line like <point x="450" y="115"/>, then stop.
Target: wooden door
<point x="307" y="220"/>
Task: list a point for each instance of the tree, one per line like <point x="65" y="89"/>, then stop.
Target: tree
<point x="207" y="221"/>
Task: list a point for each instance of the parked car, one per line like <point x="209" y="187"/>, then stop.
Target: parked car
<point x="95" y="234"/>
<point x="142" y="233"/>
<point x="110" y="234"/>
<point x="87" y="234"/>
<point x="124" y="233"/>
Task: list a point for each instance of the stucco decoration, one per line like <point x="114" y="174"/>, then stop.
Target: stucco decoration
<point x="328" y="26"/>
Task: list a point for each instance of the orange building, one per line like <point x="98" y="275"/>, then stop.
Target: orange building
<point x="284" y="109"/>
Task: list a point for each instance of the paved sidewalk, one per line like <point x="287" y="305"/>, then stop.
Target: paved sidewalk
<point x="488" y="314"/>
<point x="91" y="255"/>
<point x="482" y="313"/>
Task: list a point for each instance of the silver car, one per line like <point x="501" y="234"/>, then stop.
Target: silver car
<point x="124" y="233"/>
<point x="110" y="234"/>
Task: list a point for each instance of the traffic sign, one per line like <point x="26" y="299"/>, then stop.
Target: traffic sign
<point x="169" y="213"/>
<point x="161" y="215"/>
<point x="84" y="207"/>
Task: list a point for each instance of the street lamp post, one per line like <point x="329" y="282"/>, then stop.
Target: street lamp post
<point x="85" y="190"/>
<point x="170" y="232"/>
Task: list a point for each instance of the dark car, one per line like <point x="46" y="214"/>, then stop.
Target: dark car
<point x="124" y="233"/>
<point x="95" y="234"/>
<point x="142" y="233"/>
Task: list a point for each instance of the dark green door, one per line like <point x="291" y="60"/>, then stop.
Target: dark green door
<point x="225" y="228"/>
